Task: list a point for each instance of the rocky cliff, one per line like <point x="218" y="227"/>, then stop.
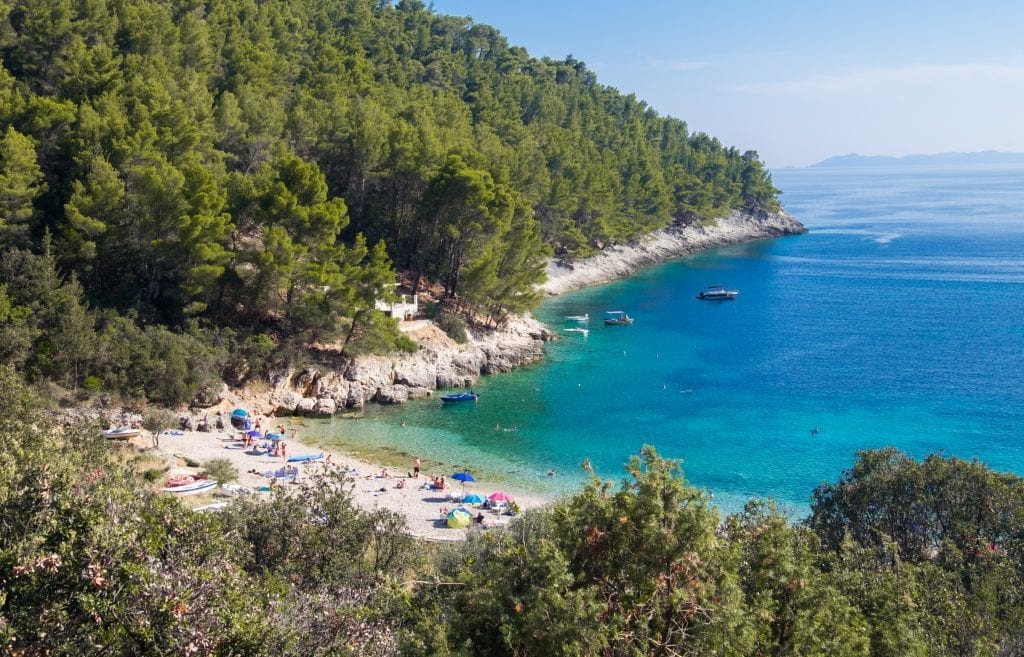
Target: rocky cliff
<point x="618" y="261"/>
<point x="439" y="363"/>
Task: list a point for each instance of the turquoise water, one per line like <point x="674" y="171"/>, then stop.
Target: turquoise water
<point x="898" y="320"/>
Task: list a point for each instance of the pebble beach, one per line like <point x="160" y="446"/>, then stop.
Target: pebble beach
<point x="421" y="506"/>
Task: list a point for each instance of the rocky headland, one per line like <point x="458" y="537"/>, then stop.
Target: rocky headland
<point x="618" y="261"/>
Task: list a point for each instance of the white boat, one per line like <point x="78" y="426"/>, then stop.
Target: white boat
<point x="583" y="331"/>
<point x="578" y="318"/>
<point x="617" y="318"/>
<point x="718" y="293"/>
<point x="120" y="434"/>
<point x="195" y="488"/>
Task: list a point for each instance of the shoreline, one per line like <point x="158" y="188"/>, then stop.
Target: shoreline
<point x="619" y="261"/>
<point x="420" y="507"/>
<point x="328" y="391"/>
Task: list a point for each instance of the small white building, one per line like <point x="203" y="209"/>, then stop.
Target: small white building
<point x="406" y="307"/>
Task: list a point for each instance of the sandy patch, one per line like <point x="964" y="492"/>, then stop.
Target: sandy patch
<point x="421" y="507"/>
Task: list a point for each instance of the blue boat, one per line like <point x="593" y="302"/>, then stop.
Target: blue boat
<point x="460" y="397"/>
<point x="305" y="457"/>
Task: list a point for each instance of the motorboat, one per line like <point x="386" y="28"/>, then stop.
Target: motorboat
<point x="120" y="434"/>
<point x="578" y="318"/>
<point x="617" y="318"/>
<point x="582" y="331"/>
<point x="717" y="293"/>
<point x="460" y="397"/>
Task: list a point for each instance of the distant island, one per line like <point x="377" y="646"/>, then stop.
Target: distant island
<point x="983" y="157"/>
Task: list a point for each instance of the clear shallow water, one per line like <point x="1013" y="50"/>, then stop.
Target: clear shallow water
<point x="898" y="320"/>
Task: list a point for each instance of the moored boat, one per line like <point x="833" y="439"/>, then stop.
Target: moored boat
<point x="581" y="331"/>
<point x="578" y="318"/>
<point x="717" y="293"/>
<point x="120" y="434"/>
<point x="460" y="397"/>
<point x="617" y="318"/>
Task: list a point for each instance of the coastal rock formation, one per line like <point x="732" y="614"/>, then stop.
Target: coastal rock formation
<point x="210" y="394"/>
<point x="618" y="261"/>
<point x="439" y="363"/>
<point x="324" y="407"/>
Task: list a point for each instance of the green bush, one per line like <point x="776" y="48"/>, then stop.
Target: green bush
<point x="92" y="383"/>
<point x="221" y="470"/>
<point x="152" y="475"/>
<point x="453" y="325"/>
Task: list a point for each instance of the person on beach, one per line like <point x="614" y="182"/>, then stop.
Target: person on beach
<point x="442" y="483"/>
<point x="384" y="474"/>
<point x="400" y="484"/>
<point x="416" y="468"/>
<point x="284" y="449"/>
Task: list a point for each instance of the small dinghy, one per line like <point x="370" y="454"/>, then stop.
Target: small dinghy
<point x="120" y="434"/>
<point x="582" y="331"/>
<point x="460" y="397"/>
<point x="578" y="318"/>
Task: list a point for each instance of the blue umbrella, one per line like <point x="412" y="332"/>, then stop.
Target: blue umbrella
<point x="275" y="436"/>
<point x="240" y="412"/>
<point x="254" y="434"/>
<point x="463" y="477"/>
<point x="472" y="498"/>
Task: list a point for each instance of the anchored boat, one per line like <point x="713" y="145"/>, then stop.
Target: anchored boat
<point x="617" y="318"/>
<point x="460" y="397"/>
<point x="717" y="293"/>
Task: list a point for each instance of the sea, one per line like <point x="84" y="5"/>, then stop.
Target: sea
<point x="897" y="320"/>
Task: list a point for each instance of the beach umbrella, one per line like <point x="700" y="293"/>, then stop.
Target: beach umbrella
<point x="254" y="434"/>
<point x="275" y="436"/>
<point x="463" y="477"/>
<point x="240" y="412"/>
<point x="500" y="496"/>
<point x="473" y="498"/>
<point x="459" y="518"/>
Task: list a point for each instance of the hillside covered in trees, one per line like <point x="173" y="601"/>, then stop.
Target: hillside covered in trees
<point x="899" y="559"/>
<point x="235" y="176"/>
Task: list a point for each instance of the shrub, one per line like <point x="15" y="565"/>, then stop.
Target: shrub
<point x="453" y="326"/>
<point x="222" y="470"/>
<point x="92" y="383"/>
<point x="153" y="475"/>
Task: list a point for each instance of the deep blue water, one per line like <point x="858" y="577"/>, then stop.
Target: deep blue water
<point x="898" y="320"/>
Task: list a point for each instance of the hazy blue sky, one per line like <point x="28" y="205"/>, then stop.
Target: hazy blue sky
<point x="796" y="81"/>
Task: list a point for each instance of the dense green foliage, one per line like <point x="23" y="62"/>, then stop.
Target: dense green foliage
<point x="265" y="166"/>
<point x="898" y="558"/>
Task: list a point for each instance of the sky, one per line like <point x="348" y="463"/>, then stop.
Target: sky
<point x="796" y="81"/>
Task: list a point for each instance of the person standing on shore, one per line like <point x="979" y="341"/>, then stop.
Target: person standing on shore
<point x="416" y="468"/>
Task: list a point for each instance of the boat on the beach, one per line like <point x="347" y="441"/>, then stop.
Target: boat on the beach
<point x="617" y="318"/>
<point x="460" y="397"/>
<point x="195" y="488"/>
<point x="305" y="457"/>
<point x="120" y="434"/>
<point x="584" y="332"/>
<point x="578" y="318"/>
<point x="717" y="293"/>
